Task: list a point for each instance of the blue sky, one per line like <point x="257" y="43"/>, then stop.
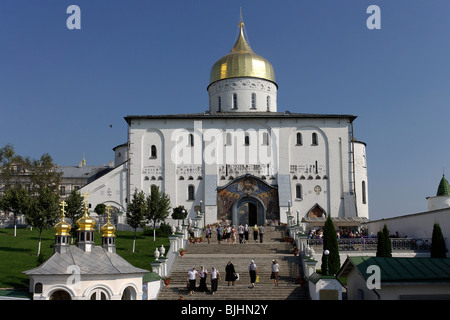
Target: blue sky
<point x="61" y="89"/>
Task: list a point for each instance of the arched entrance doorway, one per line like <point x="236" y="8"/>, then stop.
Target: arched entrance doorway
<point x="60" y="295"/>
<point x="248" y="210"/>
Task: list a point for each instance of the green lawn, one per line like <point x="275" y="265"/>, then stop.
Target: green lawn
<point x="19" y="253"/>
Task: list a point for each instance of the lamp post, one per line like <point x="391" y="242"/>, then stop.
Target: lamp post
<point x="183" y="211"/>
<point x="202" y="213"/>
<point x="326" y="253"/>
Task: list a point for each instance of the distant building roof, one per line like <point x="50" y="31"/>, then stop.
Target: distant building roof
<point x="85" y="172"/>
<point x="98" y="261"/>
<point x="401" y="269"/>
<point x="444" y="187"/>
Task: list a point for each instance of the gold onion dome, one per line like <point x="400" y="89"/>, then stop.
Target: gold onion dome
<point x="108" y="229"/>
<point x="242" y="62"/>
<point x="62" y="228"/>
<point x="86" y="223"/>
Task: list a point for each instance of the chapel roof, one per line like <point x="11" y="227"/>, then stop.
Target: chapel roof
<point x="98" y="261"/>
<point x="444" y="187"/>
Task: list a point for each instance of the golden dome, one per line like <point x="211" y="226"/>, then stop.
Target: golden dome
<point x="62" y="228"/>
<point x="86" y="223"/>
<point x="242" y="62"/>
<point x="108" y="229"/>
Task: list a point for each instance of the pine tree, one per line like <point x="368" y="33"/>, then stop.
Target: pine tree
<point x="384" y="248"/>
<point x="438" y="248"/>
<point x="330" y="244"/>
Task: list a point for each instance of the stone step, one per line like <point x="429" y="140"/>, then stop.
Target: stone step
<point x="218" y="255"/>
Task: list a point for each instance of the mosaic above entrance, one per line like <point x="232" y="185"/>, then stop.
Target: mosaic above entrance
<point x="247" y="187"/>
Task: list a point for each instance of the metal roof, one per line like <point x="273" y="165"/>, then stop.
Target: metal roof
<point x="98" y="261"/>
<point x="398" y="269"/>
<point x="224" y="115"/>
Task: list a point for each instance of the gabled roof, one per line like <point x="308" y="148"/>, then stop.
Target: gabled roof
<point x="398" y="269"/>
<point x="98" y="261"/>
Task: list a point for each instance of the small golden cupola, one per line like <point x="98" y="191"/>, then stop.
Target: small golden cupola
<point x="62" y="232"/>
<point x="86" y="228"/>
<point x="108" y="233"/>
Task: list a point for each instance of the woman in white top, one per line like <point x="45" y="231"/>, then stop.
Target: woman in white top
<point x="191" y="278"/>
<point x="275" y="271"/>
<point x="215" y="276"/>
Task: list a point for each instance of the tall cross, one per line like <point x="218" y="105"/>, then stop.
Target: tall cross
<point x="63" y="205"/>
<point x="85" y="196"/>
<point x="108" y="211"/>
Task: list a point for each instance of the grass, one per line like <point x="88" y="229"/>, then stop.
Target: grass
<point x="18" y="254"/>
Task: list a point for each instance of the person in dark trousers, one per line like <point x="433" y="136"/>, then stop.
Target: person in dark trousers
<point x="192" y="276"/>
<point x="253" y="270"/>
<point x="215" y="277"/>
<point x="261" y="233"/>
<point x="230" y="273"/>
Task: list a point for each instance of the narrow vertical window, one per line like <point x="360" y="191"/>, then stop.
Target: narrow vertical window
<point x="247" y="139"/>
<point x="265" y="141"/>
<point x="314" y="139"/>
<point x="191" y="140"/>
<point x="364" y="196"/>
<point x="253" y="100"/>
<point x="191" y="192"/>
<point x="220" y="103"/>
<point x="298" y="191"/>
<point x="235" y="104"/>
<point x="299" y="139"/>
<point x="268" y="103"/>
<point x="153" y="152"/>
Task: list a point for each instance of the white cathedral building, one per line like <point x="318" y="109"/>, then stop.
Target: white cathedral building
<point x="242" y="161"/>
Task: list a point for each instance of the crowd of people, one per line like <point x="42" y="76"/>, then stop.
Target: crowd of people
<point x="230" y="234"/>
<point x="230" y="276"/>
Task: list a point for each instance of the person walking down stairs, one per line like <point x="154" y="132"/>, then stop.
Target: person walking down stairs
<point x="253" y="270"/>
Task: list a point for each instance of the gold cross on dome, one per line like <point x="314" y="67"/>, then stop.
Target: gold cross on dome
<point x="63" y="205"/>
<point x="85" y="196"/>
<point x="108" y="211"/>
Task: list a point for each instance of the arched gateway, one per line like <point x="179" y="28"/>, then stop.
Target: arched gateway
<point x="248" y="200"/>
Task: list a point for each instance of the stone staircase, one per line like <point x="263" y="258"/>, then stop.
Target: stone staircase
<point x="218" y="255"/>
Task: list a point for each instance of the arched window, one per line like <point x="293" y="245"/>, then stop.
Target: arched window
<point x="299" y="139"/>
<point x="191" y="140"/>
<point x="253" y="100"/>
<point x="191" y="192"/>
<point x="247" y="139"/>
<point x="153" y="153"/>
<point x="268" y="103"/>
<point x="314" y="139"/>
<point x="364" y="196"/>
<point x="298" y="191"/>
<point x="235" y="103"/>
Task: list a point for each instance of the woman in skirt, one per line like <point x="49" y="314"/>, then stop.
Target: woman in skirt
<point x="192" y="274"/>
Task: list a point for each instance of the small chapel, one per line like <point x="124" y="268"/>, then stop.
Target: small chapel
<point x="85" y="271"/>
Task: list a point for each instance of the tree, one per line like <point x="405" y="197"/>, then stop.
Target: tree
<point x="384" y="248"/>
<point x="330" y="243"/>
<point x="42" y="211"/>
<point x="158" y="206"/>
<point x="438" y="248"/>
<point x="74" y="210"/>
<point x="15" y="201"/>
<point x="178" y="213"/>
<point x="44" y="175"/>
<point x="135" y="212"/>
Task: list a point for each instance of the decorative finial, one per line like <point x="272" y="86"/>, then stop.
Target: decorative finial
<point x="85" y="196"/>
<point x="108" y="211"/>
<point x="241" y="20"/>
<point x="63" y="205"/>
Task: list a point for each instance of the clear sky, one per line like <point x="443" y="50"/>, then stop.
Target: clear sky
<point x="66" y="92"/>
